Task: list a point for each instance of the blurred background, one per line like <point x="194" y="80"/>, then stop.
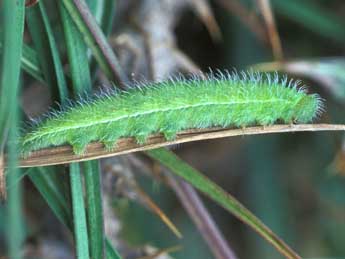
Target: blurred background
<point x="294" y="182"/>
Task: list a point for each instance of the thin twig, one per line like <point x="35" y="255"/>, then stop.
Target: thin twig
<point x="273" y="34"/>
<point x="205" y="13"/>
<point x="147" y="201"/>
<point x="202" y="219"/>
<point x="195" y="208"/>
<point x="96" y="150"/>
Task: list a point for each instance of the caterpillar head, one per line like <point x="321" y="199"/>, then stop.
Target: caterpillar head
<point x="308" y="107"/>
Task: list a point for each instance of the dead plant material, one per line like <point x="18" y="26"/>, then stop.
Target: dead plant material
<point x="272" y="31"/>
<point x="96" y="150"/>
<point x="3" y="191"/>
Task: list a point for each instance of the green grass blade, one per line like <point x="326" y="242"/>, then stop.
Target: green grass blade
<point x="94" y="208"/>
<point x="12" y="40"/>
<point x="12" y="37"/>
<point x="48" y="183"/>
<point x="47" y="180"/>
<point x="76" y="51"/>
<point x="203" y="184"/>
<point x="15" y="226"/>
<point x="48" y="55"/>
<point x="109" y="10"/>
<point x="104" y="12"/>
<point x="81" y="80"/>
<point x="111" y="253"/>
<point x="52" y="192"/>
<point x="95" y="39"/>
<point x="77" y="56"/>
<point x="30" y="63"/>
<point x="56" y="73"/>
<point x="80" y="226"/>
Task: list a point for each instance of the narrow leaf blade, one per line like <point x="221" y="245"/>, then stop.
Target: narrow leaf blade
<point x="203" y="184"/>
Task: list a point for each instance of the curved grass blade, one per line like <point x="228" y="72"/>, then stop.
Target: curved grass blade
<point x="203" y="184"/>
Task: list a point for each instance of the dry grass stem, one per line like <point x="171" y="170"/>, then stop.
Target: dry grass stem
<point x="147" y="201"/>
<point x="96" y="150"/>
<point x="3" y="192"/>
<point x="273" y="34"/>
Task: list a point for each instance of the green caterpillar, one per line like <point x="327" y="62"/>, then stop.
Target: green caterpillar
<point x="225" y="99"/>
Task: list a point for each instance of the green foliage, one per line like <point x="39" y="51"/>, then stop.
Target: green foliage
<point x="212" y="190"/>
<point x="81" y="80"/>
<point x="95" y="39"/>
<point x="12" y="39"/>
<point x="48" y="55"/>
<point x="288" y="182"/>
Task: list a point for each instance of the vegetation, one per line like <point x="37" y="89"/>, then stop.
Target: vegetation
<point x="121" y="203"/>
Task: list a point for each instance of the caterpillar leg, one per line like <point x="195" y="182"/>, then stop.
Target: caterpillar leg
<point x="169" y="135"/>
<point x="109" y="144"/>
<point x="79" y="147"/>
<point x="109" y="139"/>
<point x="141" y="138"/>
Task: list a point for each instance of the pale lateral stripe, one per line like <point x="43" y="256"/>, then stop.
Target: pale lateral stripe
<point x="149" y="112"/>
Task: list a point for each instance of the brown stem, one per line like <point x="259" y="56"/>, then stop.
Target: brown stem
<point x="273" y="34"/>
<point x="117" y="73"/>
<point x="202" y="219"/>
<point x="96" y="150"/>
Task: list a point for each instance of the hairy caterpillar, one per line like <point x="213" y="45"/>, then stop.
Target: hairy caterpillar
<point x="225" y="99"/>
